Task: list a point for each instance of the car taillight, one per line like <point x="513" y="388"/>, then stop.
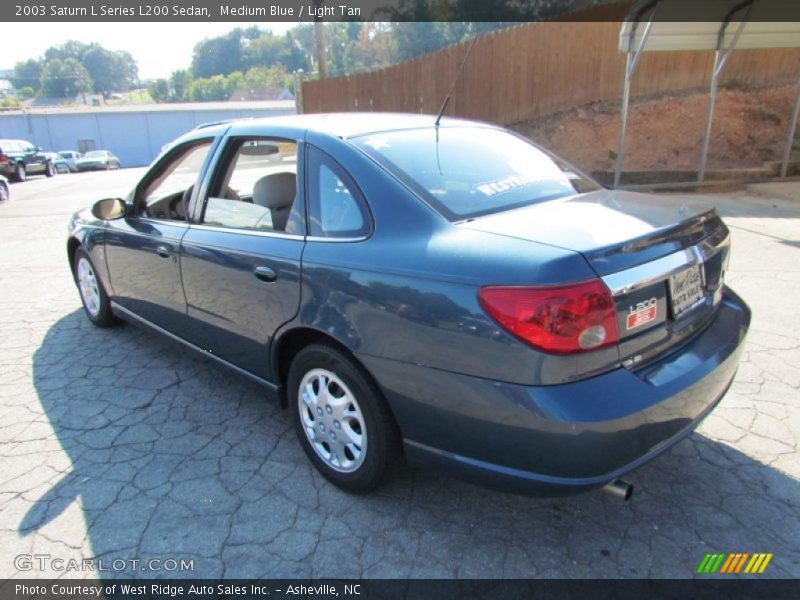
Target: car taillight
<point x="3" y="158"/>
<point x="563" y="319"/>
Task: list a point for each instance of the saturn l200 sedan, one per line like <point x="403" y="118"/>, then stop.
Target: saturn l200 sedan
<point x="450" y="294"/>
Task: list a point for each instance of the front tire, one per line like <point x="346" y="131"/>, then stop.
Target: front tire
<point x="49" y="169"/>
<point x="21" y="175"/>
<point x="341" y="419"/>
<point x="94" y="298"/>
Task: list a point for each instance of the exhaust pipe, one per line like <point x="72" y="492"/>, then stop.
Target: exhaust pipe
<point x="619" y="488"/>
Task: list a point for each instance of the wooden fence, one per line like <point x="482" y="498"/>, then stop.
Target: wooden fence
<point x="537" y="69"/>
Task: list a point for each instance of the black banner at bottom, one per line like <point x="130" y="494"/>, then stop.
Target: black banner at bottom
<point x="439" y="589"/>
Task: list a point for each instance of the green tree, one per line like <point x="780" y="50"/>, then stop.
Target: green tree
<point x="219" y="56"/>
<point x="69" y="49"/>
<point x="261" y="77"/>
<point x="28" y="73"/>
<point x="159" y="90"/>
<point x="110" y="71"/>
<point x="210" y="89"/>
<point x="180" y="81"/>
<point x="26" y="92"/>
<point x="65" y="78"/>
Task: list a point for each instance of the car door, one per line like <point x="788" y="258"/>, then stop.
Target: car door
<point x="143" y="248"/>
<point x="35" y="159"/>
<point x="240" y="261"/>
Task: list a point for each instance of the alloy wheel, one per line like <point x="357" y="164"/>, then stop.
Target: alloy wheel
<point x="87" y="283"/>
<point x="332" y="420"/>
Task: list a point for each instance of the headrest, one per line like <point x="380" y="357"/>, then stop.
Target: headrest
<point x="276" y="190"/>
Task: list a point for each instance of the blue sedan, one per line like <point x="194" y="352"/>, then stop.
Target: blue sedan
<point x="450" y="294"/>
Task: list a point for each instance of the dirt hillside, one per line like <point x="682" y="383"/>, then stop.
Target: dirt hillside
<point x="665" y="133"/>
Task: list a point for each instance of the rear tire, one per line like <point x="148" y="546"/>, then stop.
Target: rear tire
<point x="342" y="420"/>
<point x="93" y="295"/>
<point x="49" y="169"/>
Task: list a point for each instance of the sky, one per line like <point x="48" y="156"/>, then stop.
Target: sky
<point x="159" y="48"/>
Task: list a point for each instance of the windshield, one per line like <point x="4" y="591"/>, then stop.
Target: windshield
<point x="95" y="154"/>
<point x="466" y="172"/>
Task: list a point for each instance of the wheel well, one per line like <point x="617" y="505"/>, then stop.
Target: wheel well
<point x="295" y="340"/>
<point x="72" y="248"/>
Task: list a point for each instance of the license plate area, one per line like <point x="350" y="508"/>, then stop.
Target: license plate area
<point x="686" y="290"/>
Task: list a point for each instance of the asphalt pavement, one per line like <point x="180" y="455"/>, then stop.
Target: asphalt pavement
<point x="119" y="445"/>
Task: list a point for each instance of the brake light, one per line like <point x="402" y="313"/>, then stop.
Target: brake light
<point x="558" y="319"/>
<point x="3" y="158"/>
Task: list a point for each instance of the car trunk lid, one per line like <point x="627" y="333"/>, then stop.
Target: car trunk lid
<point x="662" y="257"/>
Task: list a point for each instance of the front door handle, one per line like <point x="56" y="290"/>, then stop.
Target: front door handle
<point x="163" y="251"/>
<point x="265" y="274"/>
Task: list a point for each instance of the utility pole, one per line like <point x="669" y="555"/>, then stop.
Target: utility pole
<point x="319" y="35"/>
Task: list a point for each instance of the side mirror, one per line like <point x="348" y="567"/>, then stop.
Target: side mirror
<point x="108" y="209"/>
<point x="39" y="149"/>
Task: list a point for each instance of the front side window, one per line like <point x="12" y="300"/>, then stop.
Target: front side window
<point x="335" y="207"/>
<point x="466" y="172"/>
<point x="256" y="188"/>
<point x="166" y="195"/>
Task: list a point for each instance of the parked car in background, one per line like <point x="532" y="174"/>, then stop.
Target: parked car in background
<point x="97" y="160"/>
<point x="19" y="158"/>
<point x="449" y="292"/>
<point x="71" y="156"/>
<point x="60" y="164"/>
<point x="5" y="194"/>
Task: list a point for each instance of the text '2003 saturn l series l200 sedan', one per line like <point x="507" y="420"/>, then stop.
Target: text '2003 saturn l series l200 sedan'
<point x="444" y="291"/>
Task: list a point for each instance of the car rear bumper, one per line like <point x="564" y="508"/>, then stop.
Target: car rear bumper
<point x="563" y="438"/>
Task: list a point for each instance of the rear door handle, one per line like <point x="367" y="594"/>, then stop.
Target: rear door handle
<point x="163" y="251"/>
<point x="265" y="274"/>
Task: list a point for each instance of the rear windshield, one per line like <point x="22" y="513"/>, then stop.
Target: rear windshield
<point x="467" y="172"/>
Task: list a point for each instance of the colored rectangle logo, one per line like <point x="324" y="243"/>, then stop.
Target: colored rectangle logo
<point x="734" y="563"/>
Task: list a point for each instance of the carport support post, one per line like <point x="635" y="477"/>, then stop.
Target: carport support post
<point x="632" y="60"/>
<point x="790" y="137"/>
<point x="720" y="60"/>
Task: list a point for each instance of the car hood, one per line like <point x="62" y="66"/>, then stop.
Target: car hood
<point x="613" y="229"/>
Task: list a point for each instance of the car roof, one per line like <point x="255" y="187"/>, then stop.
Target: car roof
<point x="344" y="125"/>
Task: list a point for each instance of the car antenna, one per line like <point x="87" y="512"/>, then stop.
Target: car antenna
<point x="452" y="87"/>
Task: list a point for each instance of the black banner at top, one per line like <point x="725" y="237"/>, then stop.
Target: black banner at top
<point x="392" y="10"/>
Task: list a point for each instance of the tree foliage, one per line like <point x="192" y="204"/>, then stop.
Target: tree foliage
<point x="105" y="70"/>
<point x="351" y="46"/>
<point x="63" y="78"/>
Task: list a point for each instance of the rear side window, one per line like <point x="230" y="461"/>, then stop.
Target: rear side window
<point x="466" y="172"/>
<point x="336" y="208"/>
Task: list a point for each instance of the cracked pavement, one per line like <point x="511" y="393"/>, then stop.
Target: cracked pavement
<point x="120" y="444"/>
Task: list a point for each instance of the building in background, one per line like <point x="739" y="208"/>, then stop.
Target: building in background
<point x="135" y="133"/>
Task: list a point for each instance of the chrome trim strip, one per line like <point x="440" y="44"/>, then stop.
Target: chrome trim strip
<point x="275" y="234"/>
<point x="317" y="238"/>
<point x="235" y="230"/>
<point x="640" y="276"/>
<point x="131" y="315"/>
